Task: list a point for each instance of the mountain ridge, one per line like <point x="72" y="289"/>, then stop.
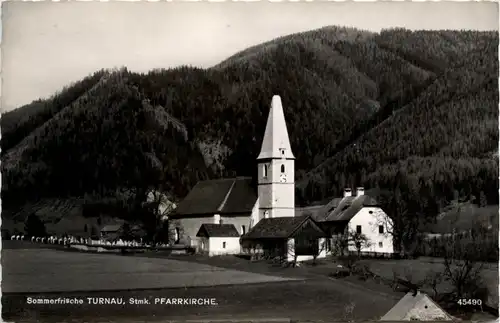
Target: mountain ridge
<point x="337" y="85"/>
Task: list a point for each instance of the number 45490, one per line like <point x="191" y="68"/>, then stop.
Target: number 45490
<point x="470" y="301"/>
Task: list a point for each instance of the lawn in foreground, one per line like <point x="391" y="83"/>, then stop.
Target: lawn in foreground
<point x="46" y="270"/>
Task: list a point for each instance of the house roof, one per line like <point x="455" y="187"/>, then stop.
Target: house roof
<point x="313" y="211"/>
<point x="276" y="133"/>
<point x="411" y="301"/>
<point x="111" y="228"/>
<point x="344" y="209"/>
<point x="272" y="228"/>
<point x="222" y="196"/>
<point x="217" y="230"/>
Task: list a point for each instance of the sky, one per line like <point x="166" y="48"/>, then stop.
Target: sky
<point x="48" y="45"/>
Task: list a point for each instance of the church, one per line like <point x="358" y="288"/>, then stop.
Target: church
<point x="228" y="216"/>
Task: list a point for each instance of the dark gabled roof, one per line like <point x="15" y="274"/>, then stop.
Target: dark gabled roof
<point x="217" y="230"/>
<point x="242" y="197"/>
<point x="344" y="209"/>
<point x="272" y="228"/>
<point x="222" y="196"/>
<point x="111" y="228"/>
<point x="313" y="211"/>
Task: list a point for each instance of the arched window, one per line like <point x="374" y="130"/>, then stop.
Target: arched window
<point x="282" y="168"/>
<point x="265" y="170"/>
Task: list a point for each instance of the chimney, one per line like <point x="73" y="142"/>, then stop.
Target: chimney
<point x="360" y="191"/>
<point x="347" y="192"/>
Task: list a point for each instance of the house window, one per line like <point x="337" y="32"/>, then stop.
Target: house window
<point x="243" y="230"/>
<point x="282" y="168"/>
<point x="265" y="170"/>
<point x="381" y="229"/>
<point x="358" y="229"/>
<point x="380" y="244"/>
<point x="177" y="234"/>
<point x="224" y="245"/>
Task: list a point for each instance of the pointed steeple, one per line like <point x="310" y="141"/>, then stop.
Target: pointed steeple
<point x="276" y="143"/>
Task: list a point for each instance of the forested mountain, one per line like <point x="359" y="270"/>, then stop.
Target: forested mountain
<point x="360" y="107"/>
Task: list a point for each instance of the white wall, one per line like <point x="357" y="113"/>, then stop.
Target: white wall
<point x="370" y="228"/>
<point x="255" y="216"/>
<point x="216" y="246"/>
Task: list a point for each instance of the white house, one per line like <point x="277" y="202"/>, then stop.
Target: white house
<point x="355" y="213"/>
<point x="219" y="239"/>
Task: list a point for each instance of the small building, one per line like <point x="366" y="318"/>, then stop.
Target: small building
<point x="356" y="214"/>
<point x="291" y="238"/>
<point x="218" y="239"/>
<point x="416" y="307"/>
<point x="111" y="231"/>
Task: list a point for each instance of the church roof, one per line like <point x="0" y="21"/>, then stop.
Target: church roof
<point x="284" y="227"/>
<point x="419" y="307"/>
<point x="220" y="196"/>
<point x="344" y="209"/>
<point x="217" y="230"/>
<point x="276" y="134"/>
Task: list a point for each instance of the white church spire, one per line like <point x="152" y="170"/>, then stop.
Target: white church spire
<point x="276" y="143"/>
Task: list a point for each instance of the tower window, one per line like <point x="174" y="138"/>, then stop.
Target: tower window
<point x="358" y="229"/>
<point x="243" y="231"/>
<point x="265" y="170"/>
<point x="282" y="168"/>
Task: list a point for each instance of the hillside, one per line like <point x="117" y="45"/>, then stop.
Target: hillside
<point x="359" y="106"/>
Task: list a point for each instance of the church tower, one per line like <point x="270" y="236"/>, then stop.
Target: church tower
<point x="276" y="167"/>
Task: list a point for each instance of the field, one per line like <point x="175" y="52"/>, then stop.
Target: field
<point x="42" y="272"/>
<point x="46" y="270"/>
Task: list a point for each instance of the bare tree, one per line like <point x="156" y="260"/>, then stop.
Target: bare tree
<point x="359" y="240"/>
<point x="463" y="254"/>
<point x="462" y="265"/>
<point x="433" y="279"/>
<point x="160" y="206"/>
<point x="340" y="244"/>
